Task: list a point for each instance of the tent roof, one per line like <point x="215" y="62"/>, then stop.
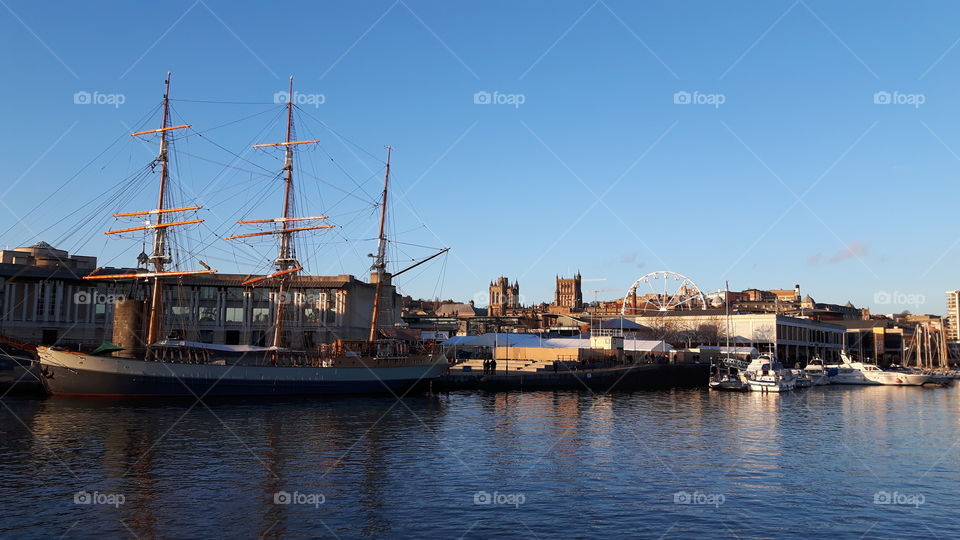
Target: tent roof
<point x="620" y="323"/>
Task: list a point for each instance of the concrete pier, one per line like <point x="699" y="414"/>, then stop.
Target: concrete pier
<point x="611" y="379"/>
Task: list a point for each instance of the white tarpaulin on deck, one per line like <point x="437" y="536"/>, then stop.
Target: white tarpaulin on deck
<point x="533" y="340"/>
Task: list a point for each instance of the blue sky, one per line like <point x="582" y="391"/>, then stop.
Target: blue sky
<point x="798" y="176"/>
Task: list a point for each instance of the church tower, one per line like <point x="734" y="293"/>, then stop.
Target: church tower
<point x="569" y="293"/>
<point x="503" y="296"/>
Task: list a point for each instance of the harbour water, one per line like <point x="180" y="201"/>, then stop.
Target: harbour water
<point x="851" y="462"/>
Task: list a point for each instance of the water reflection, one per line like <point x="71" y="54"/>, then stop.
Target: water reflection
<point x="586" y="464"/>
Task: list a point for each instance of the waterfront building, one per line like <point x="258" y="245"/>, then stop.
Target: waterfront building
<point x="46" y="301"/>
<point x="794" y="339"/>
<point x="953" y="315"/>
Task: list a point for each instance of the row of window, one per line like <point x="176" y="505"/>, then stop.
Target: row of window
<point x="238" y="315"/>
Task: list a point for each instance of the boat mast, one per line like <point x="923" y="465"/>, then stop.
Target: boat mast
<point x="379" y="263"/>
<point x="286" y="261"/>
<point x="159" y="233"/>
<point x="286" y="251"/>
<point x="726" y="304"/>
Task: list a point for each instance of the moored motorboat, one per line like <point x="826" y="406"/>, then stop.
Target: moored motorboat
<point x="766" y="374"/>
<point x="876" y="375"/>
<point x="865" y="373"/>
<point x="817" y="372"/>
<point x="803" y="380"/>
<point x="729" y="382"/>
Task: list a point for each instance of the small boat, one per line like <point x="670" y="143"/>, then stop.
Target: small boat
<point x="767" y="374"/>
<point x="18" y="370"/>
<point x="845" y="373"/>
<point x="729" y="382"/>
<point x="939" y="379"/>
<point x="818" y="374"/>
<point x="723" y="371"/>
<point x="803" y="379"/>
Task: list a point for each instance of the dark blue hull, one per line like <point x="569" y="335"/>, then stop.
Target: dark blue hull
<point x="69" y="381"/>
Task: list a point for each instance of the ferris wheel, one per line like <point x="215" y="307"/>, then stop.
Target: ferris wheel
<point x="663" y="291"/>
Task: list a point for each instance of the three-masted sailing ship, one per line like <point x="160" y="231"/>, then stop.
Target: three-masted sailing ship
<point x="165" y="367"/>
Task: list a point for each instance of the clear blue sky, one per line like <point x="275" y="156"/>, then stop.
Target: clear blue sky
<point x="598" y="169"/>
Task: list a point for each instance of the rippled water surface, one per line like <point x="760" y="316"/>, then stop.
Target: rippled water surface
<point x="678" y="464"/>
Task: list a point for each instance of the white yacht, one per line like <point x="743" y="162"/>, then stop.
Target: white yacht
<point x="864" y="373"/>
<point x="876" y="375"/>
<point x="767" y="374"/>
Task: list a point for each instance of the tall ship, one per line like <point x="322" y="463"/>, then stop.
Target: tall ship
<point x="153" y="363"/>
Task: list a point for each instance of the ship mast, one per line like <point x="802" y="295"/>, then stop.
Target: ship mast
<point x="159" y="257"/>
<point x="379" y="262"/>
<point x="285" y="256"/>
<point x="286" y="262"/>
<point x="160" y="233"/>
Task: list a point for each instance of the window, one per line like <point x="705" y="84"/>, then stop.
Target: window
<point x="234" y="293"/>
<point x="259" y="338"/>
<point x="234" y="315"/>
<point x="208" y="293"/>
<point x="311" y="315"/>
<point x="232" y="337"/>
<point x="208" y="314"/>
<point x="49" y="336"/>
<point x="261" y="294"/>
<point x="206" y="336"/>
<point x="311" y="297"/>
<point x="100" y="307"/>
<point x="261" y="314"/>
<point x="181" y="311"/>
